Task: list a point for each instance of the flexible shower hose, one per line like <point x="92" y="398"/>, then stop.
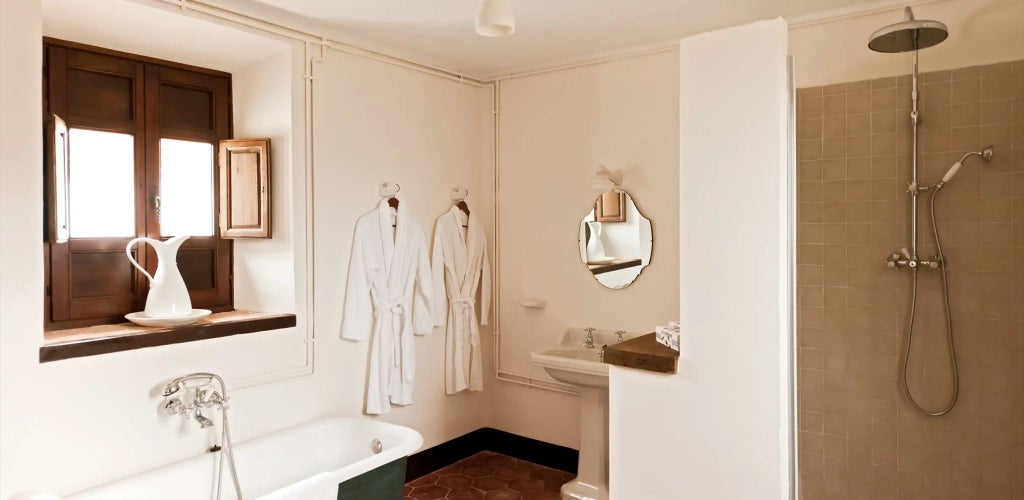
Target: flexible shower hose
<point x="229" y="455"/>
<point x="949" y="326"/>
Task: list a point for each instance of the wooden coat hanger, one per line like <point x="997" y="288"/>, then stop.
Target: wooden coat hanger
<point x="389" y="190"/>
<point x="459" y="195"/>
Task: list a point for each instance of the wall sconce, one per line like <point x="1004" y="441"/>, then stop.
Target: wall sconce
<point x="606" y="180"/>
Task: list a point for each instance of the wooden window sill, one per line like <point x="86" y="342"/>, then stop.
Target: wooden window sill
<point x="103" y="339"/>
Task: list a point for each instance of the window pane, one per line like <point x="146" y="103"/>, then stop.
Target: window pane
<point x="186" y="188"/>
<point x="102" y="184"/>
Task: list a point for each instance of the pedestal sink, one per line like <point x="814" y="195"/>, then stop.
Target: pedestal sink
<point x="572" y="362"/>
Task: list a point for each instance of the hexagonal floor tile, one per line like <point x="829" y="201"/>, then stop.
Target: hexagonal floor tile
<point x="424" y="481"/>
<point x="490" y="483"/>
<point x="503" y="495"/>
<point x="429" y="492"/>
<point x="478" y="470"/>
<point x="454" y="481"/>
<point x="526" y="485"/>
<point x="511" y="473"/>
<point x="467" y="493"/>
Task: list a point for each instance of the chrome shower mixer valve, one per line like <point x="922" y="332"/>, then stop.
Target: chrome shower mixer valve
<point x="904" y="259"/>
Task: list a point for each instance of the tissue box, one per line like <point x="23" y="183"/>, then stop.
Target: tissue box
<point x="668" y="336"/>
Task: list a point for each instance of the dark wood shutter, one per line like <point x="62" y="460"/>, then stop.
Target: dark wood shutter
<point x="91" y="279"/>
<point x="190" y="106"/>
<point x="245" y="188"/>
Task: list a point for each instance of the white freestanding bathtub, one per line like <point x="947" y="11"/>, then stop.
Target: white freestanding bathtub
<point x="302" y="463"/>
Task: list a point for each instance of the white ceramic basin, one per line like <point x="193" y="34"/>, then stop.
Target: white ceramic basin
<point x="573" y="365"/>
<point x="572" y="362"/>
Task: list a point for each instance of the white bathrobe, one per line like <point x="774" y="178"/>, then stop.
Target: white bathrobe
<point x="460" y="263"/>
<point x="389" y="294"/>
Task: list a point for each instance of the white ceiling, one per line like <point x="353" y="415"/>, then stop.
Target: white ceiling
<point x="548" y="32"/>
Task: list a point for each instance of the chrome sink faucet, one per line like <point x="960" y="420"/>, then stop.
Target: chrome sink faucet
<point x="589" y="342"/>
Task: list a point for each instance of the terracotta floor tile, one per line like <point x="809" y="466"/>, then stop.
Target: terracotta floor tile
<point x="466" y="494"/>
<point x="489" y="476"/>
<point x="423" y="481"/>
<point x="503" y="495"/>
<point x="526" y="485"/>
<point x="429" y="492"/>
<point x="454" y="481"/>
<point x="543" y="495"/>
<point x="490" y="483"/>
<point x="478" y="470"/>
<point x="512" y="473"/>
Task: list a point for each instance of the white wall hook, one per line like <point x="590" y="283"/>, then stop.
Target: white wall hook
<point x="459" y="193"/>
<point x="388" y="189"/>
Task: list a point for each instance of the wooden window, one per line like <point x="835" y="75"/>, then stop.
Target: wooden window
<point x="131" y="150"/>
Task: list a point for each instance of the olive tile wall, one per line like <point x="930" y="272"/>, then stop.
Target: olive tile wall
<point x="858" y="438"/>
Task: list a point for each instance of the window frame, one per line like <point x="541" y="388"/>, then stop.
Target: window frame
<point x="148" y="76"/>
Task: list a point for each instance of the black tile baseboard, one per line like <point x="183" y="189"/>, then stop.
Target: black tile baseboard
<point x="489" y="439"/>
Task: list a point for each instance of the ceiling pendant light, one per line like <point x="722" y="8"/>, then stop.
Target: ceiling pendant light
<point x="495" y="19"/>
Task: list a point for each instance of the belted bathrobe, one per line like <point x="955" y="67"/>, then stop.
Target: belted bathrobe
<point x="461" y="267"/>
<point x="389" y="295"/>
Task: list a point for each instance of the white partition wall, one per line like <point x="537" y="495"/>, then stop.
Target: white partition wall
<point x="720" y="428"/>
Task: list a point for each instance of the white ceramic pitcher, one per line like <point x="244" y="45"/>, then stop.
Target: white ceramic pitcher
<point x="168" y="297"/>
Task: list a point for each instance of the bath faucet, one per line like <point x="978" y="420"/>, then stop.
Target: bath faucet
<point x="618" y="336"/>
<point x="192" y="402"/>
<point x="589" y="342"/>
<point x="203" y="421"/>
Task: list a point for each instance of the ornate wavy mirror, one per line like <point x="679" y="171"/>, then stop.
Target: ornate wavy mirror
<point x="616" y="240"/>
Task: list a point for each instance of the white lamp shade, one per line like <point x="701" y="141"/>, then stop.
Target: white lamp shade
<point x="495" y="19"/>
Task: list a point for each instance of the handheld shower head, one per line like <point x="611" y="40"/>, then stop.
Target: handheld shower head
<point x="172" y="387"/>
<point x="985" y="154"/>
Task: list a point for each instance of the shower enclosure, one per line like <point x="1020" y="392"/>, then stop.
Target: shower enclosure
<point x="911" y="342"/>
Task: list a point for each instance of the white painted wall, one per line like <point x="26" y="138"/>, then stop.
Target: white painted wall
<point x="719" y="428"/>
<point x="264" y="270"/>
<point x="980" y="32"/>
<point x="374" y="123"/>
<point x="556" y="129"/>
<point x="72" y="424"/>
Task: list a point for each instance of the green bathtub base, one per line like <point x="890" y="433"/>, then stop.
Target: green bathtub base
<point x="386" y="482"/>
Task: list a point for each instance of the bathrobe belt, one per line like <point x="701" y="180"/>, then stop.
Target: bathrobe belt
<point x="466" y="312"/>
<point x="402" y="346"/>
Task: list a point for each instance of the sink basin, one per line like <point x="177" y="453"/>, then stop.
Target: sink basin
<point x="573" y="365"/>
<point x="570" y="361"/>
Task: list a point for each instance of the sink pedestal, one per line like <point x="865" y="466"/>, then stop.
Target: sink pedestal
<point x="576" y="360"/>
<point x="591" y="481"/>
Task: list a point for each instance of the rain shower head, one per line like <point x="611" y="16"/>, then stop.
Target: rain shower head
<point x="908" y="35"/>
